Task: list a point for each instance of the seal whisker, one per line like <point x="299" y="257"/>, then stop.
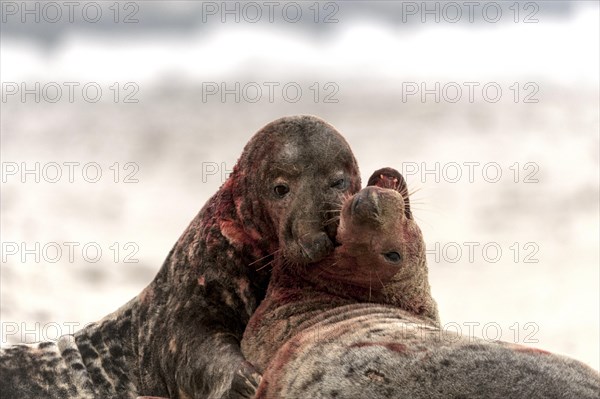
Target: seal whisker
<point x="337" y="206"/>
<point x="379" y="278"/>
<point x="266" y="265"/>
<point x="287" y="264"/>
<point x="264" y="257"/>
<point x="332" y="211"/>
<point x="413" y="191"/>
<point x="284" y="263"/>
<point x="325" y="268"/>
<point x="370" y="285"/>
<point x="329" y="221"/>
<point x="404" y="190"/>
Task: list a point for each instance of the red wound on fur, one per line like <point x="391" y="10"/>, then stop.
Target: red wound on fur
<point x="236" y="236"/>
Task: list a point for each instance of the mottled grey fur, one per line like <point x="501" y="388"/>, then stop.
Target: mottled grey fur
<point x="96" y="362"/>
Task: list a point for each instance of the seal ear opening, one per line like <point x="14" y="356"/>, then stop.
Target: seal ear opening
<point x="392" y="179"/>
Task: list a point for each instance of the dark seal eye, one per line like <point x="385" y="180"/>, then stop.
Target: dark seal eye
<point x="339" y="184"/>
<point x="393" y="257"/>
<point x="281" y="190"/>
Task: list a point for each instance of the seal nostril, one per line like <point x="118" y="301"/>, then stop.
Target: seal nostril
<point x="374" y="197"/>
<point x="355" y="202"/>
<point x="365" y="204"/>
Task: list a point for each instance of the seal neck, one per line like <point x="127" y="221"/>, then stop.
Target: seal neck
<point x="208" y="267"/>
<point x="408" y="289"/>
<point x="319" y="279"/>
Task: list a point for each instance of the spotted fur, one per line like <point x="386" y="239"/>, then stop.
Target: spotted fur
<point x="180" y="337"/>
<point x="96" y="362"/>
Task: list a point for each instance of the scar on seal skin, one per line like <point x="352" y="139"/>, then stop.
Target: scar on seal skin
<point x="361" y="323"/>
<point x="180" y="337"/>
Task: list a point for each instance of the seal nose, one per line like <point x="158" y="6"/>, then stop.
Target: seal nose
<point x="356" y="202"/>
<point x="365" y="203"/>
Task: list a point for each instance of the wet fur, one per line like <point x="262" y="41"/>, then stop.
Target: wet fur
<point x="180" y="336"/>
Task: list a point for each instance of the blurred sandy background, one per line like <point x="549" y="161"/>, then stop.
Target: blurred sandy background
<point x="175" y="139"/>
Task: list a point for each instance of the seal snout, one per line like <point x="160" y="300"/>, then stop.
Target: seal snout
<point x="365" y="204"/>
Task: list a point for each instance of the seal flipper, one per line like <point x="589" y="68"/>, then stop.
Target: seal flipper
<point x="245" y="382"/>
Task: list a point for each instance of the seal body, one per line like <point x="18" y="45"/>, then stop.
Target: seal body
<point x="373" y="351"/>
<point x="180" y="338"/>
<point x="362" y="323"/>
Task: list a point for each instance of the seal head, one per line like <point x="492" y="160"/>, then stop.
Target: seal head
<point x="381" y="257"/>
<point x="296" y="170"/>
